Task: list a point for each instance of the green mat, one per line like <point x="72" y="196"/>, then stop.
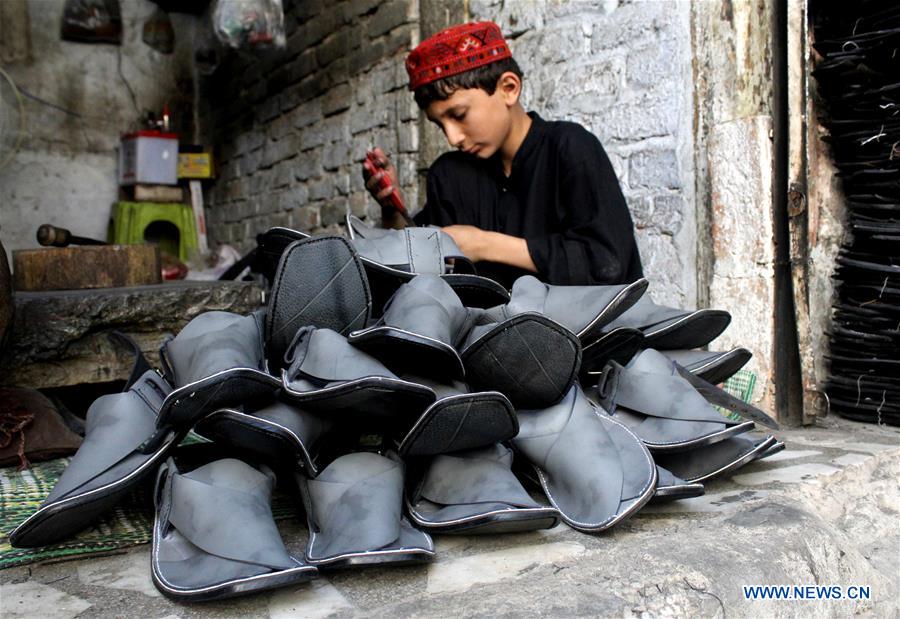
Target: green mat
<point x="22" y="493"/>
<point x="740" y="386"/>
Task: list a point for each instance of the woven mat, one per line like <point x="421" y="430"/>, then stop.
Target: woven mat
<point x="740" y="386"/>
<point x="22" y="492"/>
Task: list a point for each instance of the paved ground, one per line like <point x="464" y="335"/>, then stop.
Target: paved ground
<point x="826" y="511"/>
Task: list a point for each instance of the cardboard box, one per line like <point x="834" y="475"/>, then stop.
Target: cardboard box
<point x="195" y="165"/>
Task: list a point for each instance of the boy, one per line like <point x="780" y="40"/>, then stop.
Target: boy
<point x="521" y="195"/>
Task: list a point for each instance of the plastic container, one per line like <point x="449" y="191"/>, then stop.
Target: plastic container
<point x="148" y="158"/>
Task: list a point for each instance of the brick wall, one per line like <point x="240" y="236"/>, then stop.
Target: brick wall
<point x="291" y="126"/>
<point x="623" y="70"/>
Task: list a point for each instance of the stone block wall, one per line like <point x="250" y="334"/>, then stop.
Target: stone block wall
<point x="623" y="70"/>
<point x="291" y="126"/>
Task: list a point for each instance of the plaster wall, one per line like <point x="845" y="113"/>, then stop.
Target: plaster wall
<point x="734" y="161"/>
<point x="66" y="170"/>
<point x="742" y="277"/>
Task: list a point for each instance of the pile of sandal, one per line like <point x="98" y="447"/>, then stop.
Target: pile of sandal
<point x="858" y="82"/>
<point x="402" y="396"/>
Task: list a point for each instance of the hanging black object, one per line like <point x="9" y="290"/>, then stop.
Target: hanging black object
<point x="191" y="7"/>
<point x="859" y="82"/>
<point x="158" y="32"/>
<point x="92" y="21"/>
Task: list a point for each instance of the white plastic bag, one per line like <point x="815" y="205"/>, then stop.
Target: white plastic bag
<point x="249" y="24"/>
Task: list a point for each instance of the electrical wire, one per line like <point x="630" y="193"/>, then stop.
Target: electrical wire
<point x="17" y="140"/>
<point x="81" y="117"/>
<point x="36" y="98"/>
<point x="125" y="81"/>
<point x="65" y="110"/>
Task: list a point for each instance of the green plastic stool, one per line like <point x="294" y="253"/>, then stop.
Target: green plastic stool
<point x="131" y="220"/>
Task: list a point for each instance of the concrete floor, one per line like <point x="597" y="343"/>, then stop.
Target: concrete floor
<point x="826" y="511"/>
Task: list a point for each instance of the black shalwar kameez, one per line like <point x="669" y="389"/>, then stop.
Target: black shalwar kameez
<point x="562" y="196"/>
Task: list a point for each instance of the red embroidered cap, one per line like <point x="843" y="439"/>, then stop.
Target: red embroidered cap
<point x="455" y="50"/>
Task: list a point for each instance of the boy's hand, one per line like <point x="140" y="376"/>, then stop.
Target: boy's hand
<point x="471" y="240"/>
<point x="479" y="245"/>
<point x="383" y="167"/>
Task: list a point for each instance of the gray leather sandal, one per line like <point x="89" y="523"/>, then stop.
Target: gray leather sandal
<point x="215" y="362"/>
<point x="672" y="488"/>
<point x="278" y="433"/>
<point x="771" y="451"/>
<point x="214" y="536"/>
<point x="476" y="291"/>
<point x="395" y="256"/>
<point x="713" y="367"/>
<point x="475" y="492"/>
<point x="619" y="345"/>
<point x="410" y="250"/>
<point x="271" y="245"/>
<point x="593" y="469"/>
<point x="328" y="376"/>
<point x="320" y="282"/>
<point x="529" y="358"/>
<point x="583" y="310"/>
<point x="384" y="279"/>
<point x="660" y="406"/>
<point x="722" y="458"/>
<point x="422" y="325"/>
<point x="459" y="420"/>
<point x="354" y="509"/>
<point x="112" y="460"/>
<point x="668" y="328"/>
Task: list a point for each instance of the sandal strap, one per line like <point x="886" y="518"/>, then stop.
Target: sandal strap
<point x="646" y="314"/>
<point x="570" y="444"/>
<point x="415" y="250"/>
<point x="428" y="306"/>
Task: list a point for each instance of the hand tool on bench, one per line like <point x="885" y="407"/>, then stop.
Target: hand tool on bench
<point x="53" y="236"/>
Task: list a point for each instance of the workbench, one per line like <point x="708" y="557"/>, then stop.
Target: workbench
<point x="59" y="338"/>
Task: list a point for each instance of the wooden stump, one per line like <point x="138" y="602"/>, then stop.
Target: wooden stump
<point x="77" y="268"/>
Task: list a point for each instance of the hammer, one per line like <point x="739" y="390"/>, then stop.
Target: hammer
<point x="51" y="236"/>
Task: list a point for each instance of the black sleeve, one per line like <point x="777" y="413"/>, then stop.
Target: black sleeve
<point x="597" y="244"/>
<point x="439" y="209"/>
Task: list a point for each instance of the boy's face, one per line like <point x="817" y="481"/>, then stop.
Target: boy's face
<point x="472" y="120"/>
